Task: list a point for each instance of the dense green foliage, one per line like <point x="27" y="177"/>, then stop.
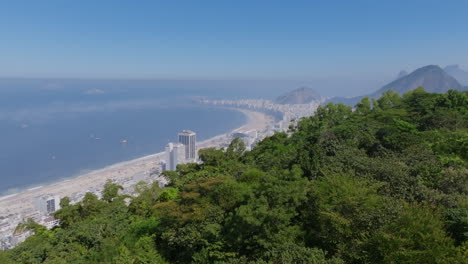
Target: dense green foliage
<point x="385" y="183"/>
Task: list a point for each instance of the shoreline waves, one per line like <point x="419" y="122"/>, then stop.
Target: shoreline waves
<point x="23" y="201"/>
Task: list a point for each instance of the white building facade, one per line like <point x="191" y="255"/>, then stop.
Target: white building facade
<point x="47" y="204"/>
<point x="175" y="154"/>
<point x="189" y="140"/>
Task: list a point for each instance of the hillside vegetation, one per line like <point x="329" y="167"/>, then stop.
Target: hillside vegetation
<point x="385" y="183"/>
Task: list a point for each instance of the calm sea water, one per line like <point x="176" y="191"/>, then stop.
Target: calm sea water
<point x="53" y="130"/>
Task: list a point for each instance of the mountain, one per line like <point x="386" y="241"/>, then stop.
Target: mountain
<point x="351" y="101"/>
<point x="433" y="78"/>
<point x="402" y="74"/>
<point x="456" y="72"/>
<point x="302" y="95"/>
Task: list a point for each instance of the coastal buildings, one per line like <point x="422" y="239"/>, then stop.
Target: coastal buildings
<point x="50" y="222"/>
<point x="43" y="206"/>
<point x="47" y="204"/>
<point x="182" y="152"/>
<point x="287" y="112"/>
<point x="146" y="169"/>
<point x="175" y="154"/>
<point x="163" y="165"/>
<point x="189" y="138"/>
<point x="249" y="138"/>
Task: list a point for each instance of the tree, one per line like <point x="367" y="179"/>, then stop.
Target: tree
<point x="5" y="258"/>
<point x="90" y="205"/>
<point x="385" y="183"/>
<point x="364" y="106"/>
<point x="417" y="236"/>
<point x="111" y="191"/>
<point x="345" y="210"/>
<point x="148" y="195"/>
<point x="457" y="223"/>
<point x="388" y="99"/>
<point x="29" y="225"/>
<point x="211" y="156"/>
<point x="168" y="194"/>
<point x="65" y="202"/>
<point x="236" y="149"/>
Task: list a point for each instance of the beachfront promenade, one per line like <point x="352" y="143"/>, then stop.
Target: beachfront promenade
<point x="14" y="208"/>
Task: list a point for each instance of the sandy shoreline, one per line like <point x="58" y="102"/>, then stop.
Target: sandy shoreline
<point x="23" y="201"/>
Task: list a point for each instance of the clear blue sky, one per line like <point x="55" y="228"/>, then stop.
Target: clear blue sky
<point x="229" y="39"/>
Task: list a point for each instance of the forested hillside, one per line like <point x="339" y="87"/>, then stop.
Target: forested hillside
<point x="386" y="182"/>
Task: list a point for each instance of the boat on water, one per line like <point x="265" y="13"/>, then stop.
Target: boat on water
<point x="94" y="137"/>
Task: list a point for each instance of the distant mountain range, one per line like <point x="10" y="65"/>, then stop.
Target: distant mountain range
<point x="302" y="95"/>
<point x="456" y="72"/>
<point x="432" y="78"/>
<point x="402" y="74"/>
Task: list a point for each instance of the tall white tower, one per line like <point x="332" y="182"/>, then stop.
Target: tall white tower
<point x="189" y="139"/>
<point x="175" y="154"/>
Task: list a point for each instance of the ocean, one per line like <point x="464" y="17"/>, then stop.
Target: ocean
<point x="54" y="129"/>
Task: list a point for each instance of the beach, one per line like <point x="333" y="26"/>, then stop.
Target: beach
<point x="22" y="202"/>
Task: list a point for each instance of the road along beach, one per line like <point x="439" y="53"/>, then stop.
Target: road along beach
<point x="22" y="202"/>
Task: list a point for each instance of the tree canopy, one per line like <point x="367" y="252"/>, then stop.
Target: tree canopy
<point x="385" y="182"/>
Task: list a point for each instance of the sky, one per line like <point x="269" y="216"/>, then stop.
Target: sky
<point x="268" y="40"/>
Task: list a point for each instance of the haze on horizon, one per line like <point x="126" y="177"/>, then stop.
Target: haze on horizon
<point x="337" y="46"/>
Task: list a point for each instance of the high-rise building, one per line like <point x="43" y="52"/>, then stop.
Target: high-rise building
<point x="175" y="154"/>
<point x="47" y="204"/>
<point x="163" y="165"/>
<point x="189" y="139"/>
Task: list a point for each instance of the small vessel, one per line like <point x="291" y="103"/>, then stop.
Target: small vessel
<point x="94" y="137"/>
<point x="123" y="141"/>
